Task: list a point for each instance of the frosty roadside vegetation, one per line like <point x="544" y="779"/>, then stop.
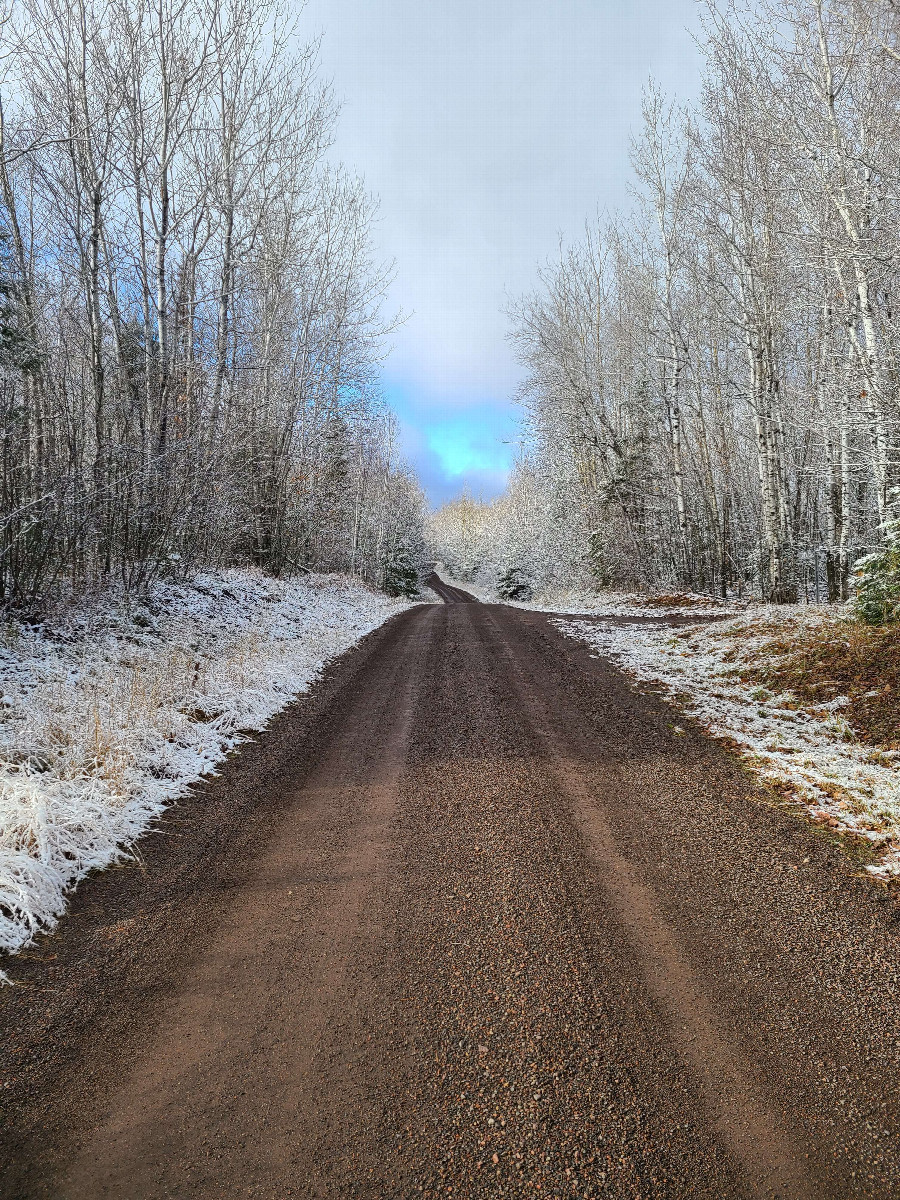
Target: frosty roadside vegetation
<point x="807" y="751"/>
<point x="111" y="713"/>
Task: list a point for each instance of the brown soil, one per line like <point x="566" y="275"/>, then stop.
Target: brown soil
<point x="469" y="920"/>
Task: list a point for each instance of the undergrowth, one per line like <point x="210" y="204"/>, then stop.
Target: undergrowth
<point x="835" y="659"/>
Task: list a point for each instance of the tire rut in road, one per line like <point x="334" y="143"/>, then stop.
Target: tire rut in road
<point x="773" y="1163"/>
<point x="529" y="1064"/>
<point x="255" y="1054"/>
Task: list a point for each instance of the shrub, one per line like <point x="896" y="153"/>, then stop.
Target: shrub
<point x="513" y="584"/>
<point x="878" y="581"/>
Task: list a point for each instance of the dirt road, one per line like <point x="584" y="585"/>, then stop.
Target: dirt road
<point x="450" y="595"/>
<point x="472" y="919"/>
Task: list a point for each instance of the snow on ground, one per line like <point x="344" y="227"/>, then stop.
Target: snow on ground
<point x="626" y="604"/>
<point x="109" y="714"/>
<point x="806" y="750"/>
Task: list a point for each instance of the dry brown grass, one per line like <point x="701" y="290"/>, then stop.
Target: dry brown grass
<point x="840" y="658"/>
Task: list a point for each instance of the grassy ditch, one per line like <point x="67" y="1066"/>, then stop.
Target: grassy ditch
<point x="839" y="658"/>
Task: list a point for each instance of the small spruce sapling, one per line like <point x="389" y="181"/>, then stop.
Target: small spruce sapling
<point x="17" y="350"/>
<point x="401" y="577"/>
<point x="877" y="600"/>
<point x="513" y="584"/>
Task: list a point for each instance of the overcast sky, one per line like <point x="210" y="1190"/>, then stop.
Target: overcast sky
<point x="488" y="129"/>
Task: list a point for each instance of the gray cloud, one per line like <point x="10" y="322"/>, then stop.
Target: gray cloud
<point x="488" y="128"/>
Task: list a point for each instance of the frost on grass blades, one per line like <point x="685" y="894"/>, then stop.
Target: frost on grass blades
<point x="111" y="714"/>
<point x="807" y="749"/>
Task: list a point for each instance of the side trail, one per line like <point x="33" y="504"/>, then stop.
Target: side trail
<point x="469" y="920"/>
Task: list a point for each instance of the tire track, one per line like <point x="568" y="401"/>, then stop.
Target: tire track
<point x="773" y="1163"/>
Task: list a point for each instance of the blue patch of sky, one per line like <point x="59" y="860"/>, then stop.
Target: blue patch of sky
<point x="456" y="449"/>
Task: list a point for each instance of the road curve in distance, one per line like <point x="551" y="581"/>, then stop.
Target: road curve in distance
<point x="449" y="595"/>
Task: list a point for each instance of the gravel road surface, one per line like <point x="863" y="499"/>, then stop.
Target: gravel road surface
<point x="475" y="918"/>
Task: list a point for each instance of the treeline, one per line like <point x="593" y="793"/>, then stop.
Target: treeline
<point x="712" y="382"/>
<point x="190" y="308"/>
<point x="529" y="538"/>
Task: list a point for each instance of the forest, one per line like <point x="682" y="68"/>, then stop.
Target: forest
<point x="710" y="384"/>
<point x="190" y="328"/>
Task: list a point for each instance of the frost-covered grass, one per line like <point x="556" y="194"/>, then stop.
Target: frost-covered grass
<point x="110" y="713"/>
<point x="606" y="603"/>
<point x="630" y="604"/>
<point x="726" y="675"/>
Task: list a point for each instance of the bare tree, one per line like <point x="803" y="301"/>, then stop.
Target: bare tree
<point x="716" y="389"/>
